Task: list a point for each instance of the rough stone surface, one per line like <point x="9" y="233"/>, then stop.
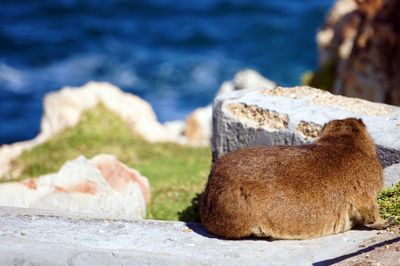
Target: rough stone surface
<point x="392" y="175"/>
<point x="294" y="116"/>
<point x="35" y="237"/>
<point x="361" y="40"/>
<point x="102" y="186"/>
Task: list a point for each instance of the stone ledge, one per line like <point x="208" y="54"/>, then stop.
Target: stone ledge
<point x="48" y="238"/>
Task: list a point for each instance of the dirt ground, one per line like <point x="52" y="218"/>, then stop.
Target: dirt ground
<point x="382" y="250"/>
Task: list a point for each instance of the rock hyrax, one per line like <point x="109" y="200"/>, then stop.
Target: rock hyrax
<point x="297" y="192"/>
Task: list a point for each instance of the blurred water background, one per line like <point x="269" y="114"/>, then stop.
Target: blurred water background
<point x="173" y="53"/>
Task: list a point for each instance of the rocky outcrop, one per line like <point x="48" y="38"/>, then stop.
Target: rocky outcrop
<point x="359" y="45"/>
<point x="101" y="186"/>
<point x="294" y="116"/>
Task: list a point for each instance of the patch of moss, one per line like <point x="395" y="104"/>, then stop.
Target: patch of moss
<point x="389" y="202"/>
<point x="176" y="172"/>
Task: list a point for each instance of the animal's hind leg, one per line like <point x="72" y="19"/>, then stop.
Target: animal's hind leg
<point x="371" y="218"/>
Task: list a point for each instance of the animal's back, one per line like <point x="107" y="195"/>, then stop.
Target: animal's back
<point x="283" y="192"/>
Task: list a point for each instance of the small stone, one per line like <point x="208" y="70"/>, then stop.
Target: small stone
<point x="187" y="230"/>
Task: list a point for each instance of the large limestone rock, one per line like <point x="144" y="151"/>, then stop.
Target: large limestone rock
<point x="294" y="116"/>
<point x="101" y="186"/>
<point x="360" y="45"/>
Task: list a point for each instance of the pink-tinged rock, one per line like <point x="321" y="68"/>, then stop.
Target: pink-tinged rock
<point x="119" y="176"/>
<point x="102" y="186"/>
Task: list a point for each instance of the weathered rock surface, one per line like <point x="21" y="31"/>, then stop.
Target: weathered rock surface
<point x="294" y="116"/>
<point x="102" y="186"/>
<point x="360" y="42"/>
<point x="35" y="237"/>
<point x="392" y="175"/>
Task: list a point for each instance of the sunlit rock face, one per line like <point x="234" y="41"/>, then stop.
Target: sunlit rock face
<point x="360" y="43"/>
<point x="295" y="116"/>
<point x="101" y="186"/>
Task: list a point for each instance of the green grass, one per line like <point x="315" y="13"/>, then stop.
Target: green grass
<point x="389" y="202"/>
<point x="176" y="172"/>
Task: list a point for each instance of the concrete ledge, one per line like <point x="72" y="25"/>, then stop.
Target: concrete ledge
<point x="49" y="238"/>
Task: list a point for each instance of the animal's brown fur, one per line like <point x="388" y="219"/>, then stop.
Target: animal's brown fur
<point x="297" y="192"/>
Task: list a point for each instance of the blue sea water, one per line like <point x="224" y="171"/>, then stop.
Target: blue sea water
<point x="174" y="53"/>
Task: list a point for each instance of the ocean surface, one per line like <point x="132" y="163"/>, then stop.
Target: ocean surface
<point x="174" y="54"/>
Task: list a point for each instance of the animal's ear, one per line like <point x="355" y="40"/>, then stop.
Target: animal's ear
<point x="324" y="126"/>
<point x="361" y="122"/>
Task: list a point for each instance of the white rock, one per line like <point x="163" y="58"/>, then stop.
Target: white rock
<point x="198" y="127"/>
<point x="79" y="186"/>
<point x="246" y="79"/>
<point x="176" y="129"/>
<point x="63" y="109"/>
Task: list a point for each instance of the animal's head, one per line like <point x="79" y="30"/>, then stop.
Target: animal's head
<point x="349" y="131"/>
<point x="348" y="126"/>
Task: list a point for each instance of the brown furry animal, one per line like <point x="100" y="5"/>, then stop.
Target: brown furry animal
<point x="297" y="192"/>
